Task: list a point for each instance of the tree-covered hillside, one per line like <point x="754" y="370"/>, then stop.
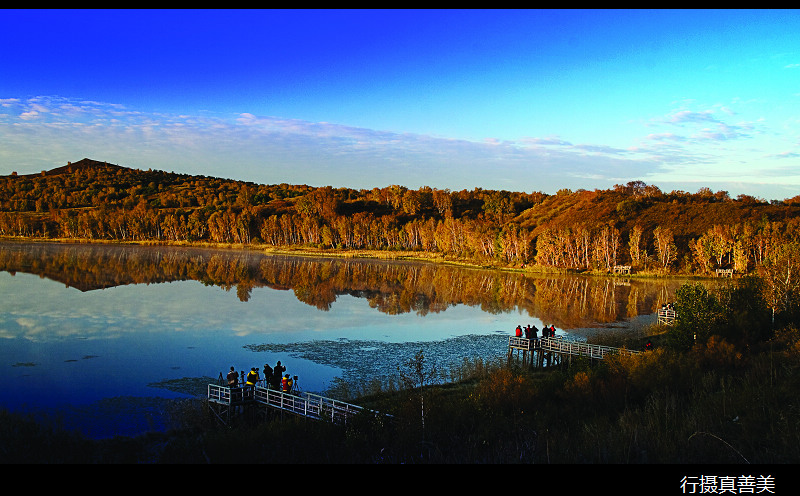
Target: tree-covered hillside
<point x="634" y="224"/>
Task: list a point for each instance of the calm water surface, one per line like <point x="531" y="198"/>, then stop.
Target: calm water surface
<point x="94" y="332"/>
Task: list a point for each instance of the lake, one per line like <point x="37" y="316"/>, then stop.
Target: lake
<point x="101" y="338"/>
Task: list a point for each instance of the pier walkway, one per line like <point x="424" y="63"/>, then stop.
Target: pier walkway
<point x="552" y="350"/>
<point x="227" y="403"/>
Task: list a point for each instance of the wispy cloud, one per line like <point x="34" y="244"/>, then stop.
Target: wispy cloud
<point x="787" y="155"/>
<point x="272" y="149"/>
<point x="691" y="116"/>
<point x="703" y="126"/>
<point x="44" y="132"/>
<point x="547" y="141"/>
<point x="661" y="137"/>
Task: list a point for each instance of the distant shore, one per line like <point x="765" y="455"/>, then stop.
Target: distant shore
<point x="389" y="255"/>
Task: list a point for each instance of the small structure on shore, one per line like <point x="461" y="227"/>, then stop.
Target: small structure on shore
<point x="622" y="269"/>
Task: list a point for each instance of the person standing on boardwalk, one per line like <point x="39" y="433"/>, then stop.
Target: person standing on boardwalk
<point x="233" y="378"/>
<point x="233" y="384"/>
<point x="267" y="375"/>
<point x="252" y="377"/>
<point x="286" y="384"/>
<point x="519" y="331"/>
<point x="277" y="375"/>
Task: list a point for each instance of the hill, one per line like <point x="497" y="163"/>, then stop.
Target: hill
<point x="83" y="165"/>
<point x="687" y="215"/>
<point x="89" y="199"/>
<point x="80" y="165"/>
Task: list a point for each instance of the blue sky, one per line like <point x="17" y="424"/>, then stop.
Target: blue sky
<point x="530" y="100"/>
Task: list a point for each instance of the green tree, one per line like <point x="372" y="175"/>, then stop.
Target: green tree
<point x="747" y="316"/>
<point x="699" y="316"/>
<point x="499" y="205"/>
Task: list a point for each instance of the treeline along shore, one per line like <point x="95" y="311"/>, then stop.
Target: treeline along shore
<point x="634" y="225"/>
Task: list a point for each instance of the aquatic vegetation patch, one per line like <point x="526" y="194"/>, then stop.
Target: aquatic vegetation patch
<point x="85" y="357"/>
<point x="363" y="361"/>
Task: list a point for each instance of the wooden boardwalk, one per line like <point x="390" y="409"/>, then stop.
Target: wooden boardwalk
<point x="228" y="403"/>
<point x="553" y="350"/>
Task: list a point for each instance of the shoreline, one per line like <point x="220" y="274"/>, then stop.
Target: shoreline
<point x="386" y="255"/>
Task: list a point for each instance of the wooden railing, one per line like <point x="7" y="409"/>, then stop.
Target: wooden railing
<point x="666" y="316"/>
<point x="523" y="343"/>
<point x="306" y="404"/>
<point x="580" y="348"/>
<point x="565" y="347"/>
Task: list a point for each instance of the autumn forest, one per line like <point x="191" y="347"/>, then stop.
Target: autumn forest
<point x="633" y="224"/>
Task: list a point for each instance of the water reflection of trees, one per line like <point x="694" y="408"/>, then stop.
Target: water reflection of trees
<point x="389" y="287"/>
